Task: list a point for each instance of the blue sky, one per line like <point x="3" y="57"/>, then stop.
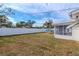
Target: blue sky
<point x="41" y="12"/>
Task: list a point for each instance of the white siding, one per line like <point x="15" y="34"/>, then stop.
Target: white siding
<point x="75" y="15"/>
<point x="63" y="37"/>
<point x="75" y="32"/>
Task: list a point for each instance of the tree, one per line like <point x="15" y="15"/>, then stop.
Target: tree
<point x="4" y="21"/>
<point x="48" y="24"/>
<point x="17" y="24"/>
<point x="4" y="11"/>
<point x="30" y="23"/>
<point x="21" y="24"/>
<point x="9" y="24"/>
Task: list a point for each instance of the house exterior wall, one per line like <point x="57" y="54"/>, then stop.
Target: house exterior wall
<point x="75" y="29"/>
<point x="63" y="37"/>
<point x="75" y="32"/>
<point x="74" y="15"/>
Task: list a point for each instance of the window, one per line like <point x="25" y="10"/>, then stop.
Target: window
<point x="77" y="17"/>
<point x="61" y="30"/>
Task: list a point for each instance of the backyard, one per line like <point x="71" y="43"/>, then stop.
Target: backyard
<point x="39" y="44"/>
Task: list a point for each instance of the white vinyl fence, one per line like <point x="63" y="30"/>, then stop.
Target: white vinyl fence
<point x="15" y="31"/>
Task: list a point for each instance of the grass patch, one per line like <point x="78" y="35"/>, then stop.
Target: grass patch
<point x="31" y="44"/>
<point x="40" y="44"/>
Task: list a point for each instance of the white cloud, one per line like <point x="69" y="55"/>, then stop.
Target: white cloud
<point x="27" y="8"/>
<point x="41" y="7"/>
<point x="12" y="20"/>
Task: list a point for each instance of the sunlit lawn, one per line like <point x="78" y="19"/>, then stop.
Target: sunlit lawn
<point x="37" y="44"/>
<point x="30" y="44"/>
<point x="66" y="47"/>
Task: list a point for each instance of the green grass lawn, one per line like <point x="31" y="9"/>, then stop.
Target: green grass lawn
<point x="37" y="44"/>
